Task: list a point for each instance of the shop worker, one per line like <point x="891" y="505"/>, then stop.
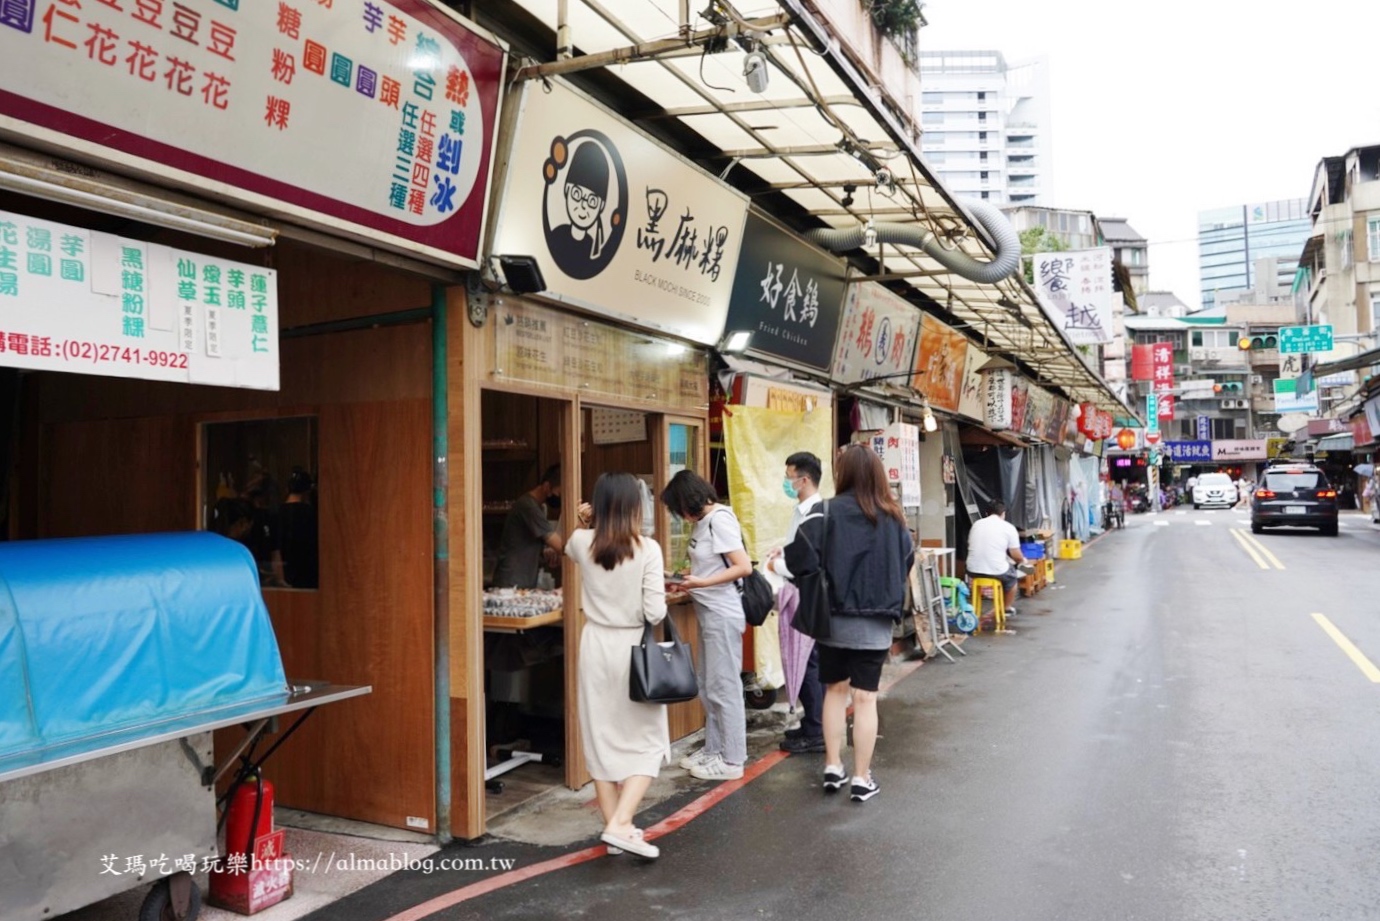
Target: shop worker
<point x="528" y="533"/>
<point x="994" y="551"/>
<point x="801" y="483"/>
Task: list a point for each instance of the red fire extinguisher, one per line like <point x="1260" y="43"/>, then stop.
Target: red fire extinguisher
<point x="249" y="816"/>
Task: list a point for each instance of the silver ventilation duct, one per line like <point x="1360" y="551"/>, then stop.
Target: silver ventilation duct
<point x="1006" y="261"/>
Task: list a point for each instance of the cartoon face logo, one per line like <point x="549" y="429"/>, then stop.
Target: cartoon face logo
<point x="585" y="208"/>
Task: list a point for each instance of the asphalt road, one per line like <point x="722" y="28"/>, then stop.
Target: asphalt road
<point x="1170" y="733"/>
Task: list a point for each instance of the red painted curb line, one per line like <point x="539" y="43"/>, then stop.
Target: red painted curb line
<point x="673" y="822"/>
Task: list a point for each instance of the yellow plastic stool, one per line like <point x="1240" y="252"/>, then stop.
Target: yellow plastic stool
<point x="998" y="602"/>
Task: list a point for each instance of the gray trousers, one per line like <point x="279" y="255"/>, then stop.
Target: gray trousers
<point x="721" y="684"/>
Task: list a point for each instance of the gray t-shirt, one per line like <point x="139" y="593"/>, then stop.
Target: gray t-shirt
<point x="714" y="536"/>
<point x="521" y="543"/>
<point x="859" y="632"/>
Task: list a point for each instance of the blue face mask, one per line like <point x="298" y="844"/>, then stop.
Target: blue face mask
<point x="788" y="485"/>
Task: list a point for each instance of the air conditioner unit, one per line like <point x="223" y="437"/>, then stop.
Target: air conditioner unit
<point x="1197" y="354"/>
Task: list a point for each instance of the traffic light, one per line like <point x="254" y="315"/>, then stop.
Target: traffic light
<point x="1227" y="387"/>
<point x="1256" y="343"/>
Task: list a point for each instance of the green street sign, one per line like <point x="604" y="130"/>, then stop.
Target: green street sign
<point x="1294" y="340"/>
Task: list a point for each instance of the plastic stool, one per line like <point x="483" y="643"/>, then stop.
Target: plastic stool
<point x="1049" y="569"/>
<point x="998" y="602"/>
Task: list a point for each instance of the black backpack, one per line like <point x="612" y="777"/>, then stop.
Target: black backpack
<point x="755" y="592"/>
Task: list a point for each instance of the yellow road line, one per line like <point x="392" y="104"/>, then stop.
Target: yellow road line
<point x="1366" y="666"/>
<point x="1263" y="549"/>
<point x="1259" y="560"/>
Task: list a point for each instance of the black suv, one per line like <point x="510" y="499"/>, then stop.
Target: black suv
<point x="1294" y="494"/>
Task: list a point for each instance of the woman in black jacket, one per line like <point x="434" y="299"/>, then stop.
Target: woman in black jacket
<point x="868" y="555"/>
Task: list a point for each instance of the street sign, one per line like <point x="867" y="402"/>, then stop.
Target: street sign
<point x="1152" y="412"/>
<point x="1296" y="339"/>
<point x="1204" y="428"/>
<point x="1152" y="437"/>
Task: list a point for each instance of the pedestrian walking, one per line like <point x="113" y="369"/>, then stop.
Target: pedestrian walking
<point x="622" y="587"/>
<point x="803" y="471"/>
<point x="717" y="559"/>
<point x="868" y="560"/>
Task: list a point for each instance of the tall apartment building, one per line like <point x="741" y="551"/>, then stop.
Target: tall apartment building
<point x="1231" y="240"/>
<point x="985" y="125"/>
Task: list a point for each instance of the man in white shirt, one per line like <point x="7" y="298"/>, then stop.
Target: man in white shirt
<point x="994" y="546"/>
<point x="803" y="471"/>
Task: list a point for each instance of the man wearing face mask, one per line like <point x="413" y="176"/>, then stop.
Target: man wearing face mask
<point x="801" y="483"/>
<point x="528" y="534"/>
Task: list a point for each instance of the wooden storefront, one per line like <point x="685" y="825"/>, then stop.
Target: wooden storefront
<point x="526" y="390"/>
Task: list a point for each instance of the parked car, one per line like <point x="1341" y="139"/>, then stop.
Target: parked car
<point x="1295" y="494"/>
<point x="1214" y="489"/>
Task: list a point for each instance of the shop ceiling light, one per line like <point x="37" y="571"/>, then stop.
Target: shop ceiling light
<point x="94" y="195"/>
<point x="927" y="419"/>
<point x="736" y="342"/>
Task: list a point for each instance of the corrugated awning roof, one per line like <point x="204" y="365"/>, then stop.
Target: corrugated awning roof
<point x="817" y="128"/>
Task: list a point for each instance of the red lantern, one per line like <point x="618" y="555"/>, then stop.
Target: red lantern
<point x="1125" y="439"/>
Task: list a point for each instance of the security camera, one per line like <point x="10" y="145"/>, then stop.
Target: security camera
<point x="755" y="71"/>
<point x="885" y="181"/>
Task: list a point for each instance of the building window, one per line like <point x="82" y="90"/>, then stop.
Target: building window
<point x="1375" y="310"/>
<point x="982" y="174"/>
<point x="982" y="135"/>
<point x="982" y="116"/>
<point x="985" y="195"/>
<point x="1223" y="429"/>
<point x="982" y="96"/>
<point x="982" y="156"/>
<point x="932" y="118"/>
<point x="1373" y="238"/>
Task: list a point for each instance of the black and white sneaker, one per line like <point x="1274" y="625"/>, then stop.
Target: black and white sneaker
<point x="834" y="778"/>
<point x="864" y="788"/>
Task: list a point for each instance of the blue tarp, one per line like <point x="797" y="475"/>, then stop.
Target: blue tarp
<point x="103" y="635"/>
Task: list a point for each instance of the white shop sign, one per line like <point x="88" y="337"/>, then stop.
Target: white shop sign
<point x="90" y="303"/>
<point x="618" y="224"/>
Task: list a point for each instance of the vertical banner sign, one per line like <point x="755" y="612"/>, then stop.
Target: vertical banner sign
<point x="877" y="336"/>
<point x="1163" y="354"/>
<point x="1204" y="426"/>
<point x="1152" y="412"/>
<point x="75" y="300"/>
<point x="970" y="402"/>
<point x="997" y="396"/>
<point x="788" y="294"/>
<point x="939" y="363"/>
<point x="619" y="224"/>
<point x="1075" y="291"/>
<point x="368" y="117"/>
<point x="899" y="448"/>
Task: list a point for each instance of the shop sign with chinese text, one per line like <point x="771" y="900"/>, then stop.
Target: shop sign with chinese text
<point x="618" y="224"/>
<point x="371" y="117"/>
<point x="1075" y="292"/>
<point x="970" y="400"/>
<point x="940" y="361"/>
<point x="877" y="337"/>
<point x="899" y="448"/>
<point x="1240" y="450"/>
<point x="539" y="345"/>
<point x="998" y="396"/>
<point x="75" y="300"/>
<point x="1189" y="452"/>
<point x="788" y="294"/>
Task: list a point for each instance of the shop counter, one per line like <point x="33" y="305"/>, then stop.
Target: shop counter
<point x="688" y="717"/>
<point x="517" y="610"/>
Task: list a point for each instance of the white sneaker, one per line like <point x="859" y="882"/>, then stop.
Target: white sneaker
<point x="716" y="768"/>
<point x="698" y="756"/>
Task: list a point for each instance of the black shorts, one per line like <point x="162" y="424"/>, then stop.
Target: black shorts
<point x="862" y="668"/>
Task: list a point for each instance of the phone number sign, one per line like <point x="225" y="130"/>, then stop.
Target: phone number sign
<point x="75" y="300"/>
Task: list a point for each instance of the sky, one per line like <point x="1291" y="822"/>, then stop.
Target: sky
<point x="1163" y="110"/>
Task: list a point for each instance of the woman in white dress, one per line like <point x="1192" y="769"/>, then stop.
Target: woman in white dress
<point x="622" y="586"/>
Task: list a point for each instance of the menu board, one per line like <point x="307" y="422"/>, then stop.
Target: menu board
<point x="538" y="345"/>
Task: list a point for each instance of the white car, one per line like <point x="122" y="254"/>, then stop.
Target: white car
<point x="1214" y="489"/>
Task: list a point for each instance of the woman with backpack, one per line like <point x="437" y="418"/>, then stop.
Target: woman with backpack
<point x="717" y="560"/>
<point x="861" y="541"/>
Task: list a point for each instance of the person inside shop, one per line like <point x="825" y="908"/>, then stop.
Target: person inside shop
<point x="994" y="552"/>
<point x="529" y="537"/>
<point x="622" y="586"/>
<point x="717" y="560"/>
<point x="262" y="541"/>
<point x="296" y="562"/>
<point x="868" y="555"/>
<point x="233" y="517"/>
<point x="801" y="483"/>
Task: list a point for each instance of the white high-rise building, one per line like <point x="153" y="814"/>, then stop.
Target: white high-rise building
<point x="985" y="125"/>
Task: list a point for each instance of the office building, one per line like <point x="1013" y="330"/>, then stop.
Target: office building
<point x="985" y="125"/>
<point x="1231" y="240"/>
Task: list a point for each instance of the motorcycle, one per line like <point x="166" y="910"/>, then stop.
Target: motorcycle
<point x="1140" y="502"/>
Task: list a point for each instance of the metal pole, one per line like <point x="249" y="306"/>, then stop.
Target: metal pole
<point x="440" y="418"/>
<point x="564" y="48"/>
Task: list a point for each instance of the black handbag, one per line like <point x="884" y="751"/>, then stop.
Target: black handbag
<point x="754" y="591"/>
<point x="662" y="672"/>
<point x="814" y="613"/>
